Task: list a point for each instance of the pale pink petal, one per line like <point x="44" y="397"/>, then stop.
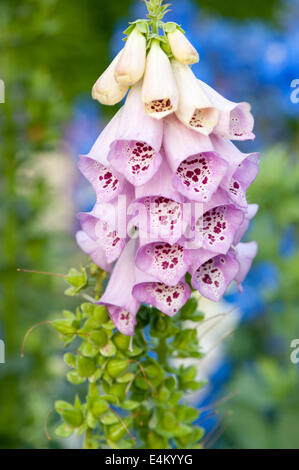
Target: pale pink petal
<point x="135" y="152"/>
<point x="217" y="228"/>
<point x="199" y="176"/>
<point x="167" y="263"/>
<point x="106" y="182"/>
<point x="106" y="237"/>
<point x="236" y="121"/>
<point x="101" y="148"/>
<point x="122" y="306"/>
<point x="94" y="250"/>
<point x="249" y="215"/>
<point x="245" y="253"/>
<point x="242" y="179"/>
<point x="213" y="277"/>
<point x="168" y="299"/>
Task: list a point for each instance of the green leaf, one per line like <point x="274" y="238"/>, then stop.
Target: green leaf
<point x="86" y="366"/>
<point x="74" y="378"/>
<point x="100" y="314"/>
<point x="69" y="413"/>
<point x="98" y="337"/>
<point x="64" y="430"/>
<point x="64" y="326"/>
<point x="89" y="350"/>
<point x="99" y="407"/>
<point x="170" y="27"/>
<point x="121" y="341"/>
<point x="77" y="279"/>
<point x="116" y="367"/>
<point x="125" y="378"/>
<point x="130" y="405"/>
<point x="108" y="350"/>
<point x="109" y="418"/>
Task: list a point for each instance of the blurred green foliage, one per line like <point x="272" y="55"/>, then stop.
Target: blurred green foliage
<point x="265" y="414"/>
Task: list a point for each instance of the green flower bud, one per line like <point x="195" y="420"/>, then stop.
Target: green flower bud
<point x="100" y="314"/>
<point x="169" y="421"/>
<point x="64" y="326"/>
<point x="86" y="366"/>
<point x="69" y="413"/>
<point x="122" y="342"/>
<point x="116" y="367"/>
<point x="99" y="407"/>
<point x="98" y="337"/>
<point x="117" y="431"/>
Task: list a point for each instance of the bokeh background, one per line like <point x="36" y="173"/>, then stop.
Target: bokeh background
<point x="51" y="53"/>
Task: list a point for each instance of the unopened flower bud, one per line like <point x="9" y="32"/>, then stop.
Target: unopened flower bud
<point x="131" y="65"/>
<point x="195" y="110"/>
<point x="182" y="49"/>
<point x="106" y="89"/>
<point x="159" y="92"/>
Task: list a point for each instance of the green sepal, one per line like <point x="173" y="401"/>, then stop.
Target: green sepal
<point x="77" y="279"/>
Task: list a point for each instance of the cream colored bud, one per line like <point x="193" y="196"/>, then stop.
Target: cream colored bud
<point x="106" y="89"/>
<point x="195" y="110"/>
<point x="131" y="65"/>
<point x="159" y="92"/>
<point x="182" y="49"/>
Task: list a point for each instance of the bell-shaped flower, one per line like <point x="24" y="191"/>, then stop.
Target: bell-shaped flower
<point x="195" y="109"/>
<point x="236" y="121"/>
<point x="167" y="263"/>
<point x="245" y="254"/>
<point x="118" y="298"/>
<point x="213" y="277"/>
<point x="106" y="182"/>
<point x="131" y="65"/>
<point x="198" y="170"/>
<point x="104" y="235"/>
<point x="216" y="229"/>
<point x="94" y="249"/>
<point x="242" y="179"/>
<point x="181" y="48"/>
<point x="101" y="147"/>
<point x="159" y="92"/>
<point x="135" y="152"/>
<point x="167" y="299"/>
<point x="106" y="90"/>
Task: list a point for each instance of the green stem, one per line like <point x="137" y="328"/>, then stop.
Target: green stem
<point x="92" y="391"/>
<point x="162" y="352"/>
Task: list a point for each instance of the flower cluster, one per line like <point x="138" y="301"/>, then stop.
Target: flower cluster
<point x="170" y="184"/>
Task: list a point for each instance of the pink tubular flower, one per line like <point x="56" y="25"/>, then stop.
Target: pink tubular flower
<point x="93" y="249"/>
<point x="170" y="185"/>
<point x="195" y="110"/>
<point x="106" y="182"/>
<point x="167" y="263"/>
<point x="236" y="121"/>
<point x="245" y="254"/>
<point x="198" y="170"/>
<point x="106" y="90"/>
<point x="168" y="299"/>
<point x="118" y="298"/>
<point x="101" y="147"/>
<point x="135" y="151"/>
<point x="106" y="237"/>
<point x="131" y="64"/>
<point x="159" y="91"/>
<point x="182" y="49"/>
<point x="251" y="212"/>
<point x="213" y="277"/>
